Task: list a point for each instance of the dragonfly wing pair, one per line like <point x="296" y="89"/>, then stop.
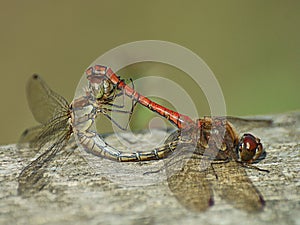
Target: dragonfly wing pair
<point x="194" y="177"/>
<point x="52" y="112"/>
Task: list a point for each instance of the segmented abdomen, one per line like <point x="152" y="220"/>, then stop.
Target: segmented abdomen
<point x="82" y="119"/>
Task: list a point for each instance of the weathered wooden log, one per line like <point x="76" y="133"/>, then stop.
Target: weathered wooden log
<point x="86" y="189"/>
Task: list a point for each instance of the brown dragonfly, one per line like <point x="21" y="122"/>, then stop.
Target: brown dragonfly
<point x="196" y="171"/>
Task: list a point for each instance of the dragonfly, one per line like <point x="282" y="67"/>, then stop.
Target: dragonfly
<point x="248" y="147"/>
<point x="196" y="171"/>
<point x="60" y="121"/>
<point x="211" y="140"/>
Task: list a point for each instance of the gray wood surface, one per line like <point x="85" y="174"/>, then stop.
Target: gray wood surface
<point x="86" y="189"/>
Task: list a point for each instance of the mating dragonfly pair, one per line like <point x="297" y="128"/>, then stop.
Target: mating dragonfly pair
<point x="214" y="138"/>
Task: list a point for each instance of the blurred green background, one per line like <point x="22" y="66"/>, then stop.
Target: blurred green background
<point x="253" y="48"/>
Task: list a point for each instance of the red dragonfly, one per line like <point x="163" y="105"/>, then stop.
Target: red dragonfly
<point x="248" y="146"/>
<point x="212" y="140"/>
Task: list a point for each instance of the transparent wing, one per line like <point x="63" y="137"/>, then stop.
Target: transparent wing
<point x="246" y="124"/>
<point x="191" y="182"/>
<point x="49" y="109"/>
<point x="52" y="111"/>
<point x="190" y="186"/>
<point x="43" y="102"/>
<point x="235" y="187"/>
<point x="186" y="179"/>
<point x="51" y="138"/>
<point x="29" y="135"/>
<point x="33" y="177"/>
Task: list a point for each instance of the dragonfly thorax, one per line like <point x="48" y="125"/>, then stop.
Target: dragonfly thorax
<point x="218" y="136"/>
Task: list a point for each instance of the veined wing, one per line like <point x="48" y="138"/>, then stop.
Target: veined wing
<point x="234" y="186"/>
<point x="30" y="135"/>
<point x="33" y="178"/>
<point x="52" y="111"/>
<point x="49" y="109"/>
<point x="44" y="103"/>
<point x="190" y="185"/>
<point x="51" y="139"/>
<point x="245" y="124"/>
<point x="186" y="179"/>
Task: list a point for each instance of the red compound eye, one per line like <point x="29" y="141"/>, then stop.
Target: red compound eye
<point x="249" y="148"/>
<point x="250" y="142"/>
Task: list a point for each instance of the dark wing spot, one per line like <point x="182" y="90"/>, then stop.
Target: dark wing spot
<point x="25" y="132"/>
<point x="35" y="76"/>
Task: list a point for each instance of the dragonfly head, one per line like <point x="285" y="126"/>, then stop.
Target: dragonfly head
<point x="249" y="148"/>
<point x="100" y="86"/>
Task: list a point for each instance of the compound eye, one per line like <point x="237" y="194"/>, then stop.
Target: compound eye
<point x="250" y="148"/>
<point x="250" y="142"/>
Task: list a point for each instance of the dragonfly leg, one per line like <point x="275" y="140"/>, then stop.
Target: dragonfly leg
<point x="250" y="166"/>
<point x="104" y="111"/>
